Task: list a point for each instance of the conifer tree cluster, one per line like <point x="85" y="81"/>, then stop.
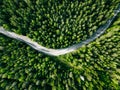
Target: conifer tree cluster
<point x="53" y="23"/>
<point x="58" y="24"/>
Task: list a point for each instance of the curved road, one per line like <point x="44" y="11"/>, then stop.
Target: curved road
<point x="57" y="52"/>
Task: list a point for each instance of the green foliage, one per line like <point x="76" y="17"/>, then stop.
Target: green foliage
<point x="53" y="23"/>
<point x="95" y="66"/>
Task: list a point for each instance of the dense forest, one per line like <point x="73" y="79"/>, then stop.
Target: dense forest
<point x="59" y="24"/>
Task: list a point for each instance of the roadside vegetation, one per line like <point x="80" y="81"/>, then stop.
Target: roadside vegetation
<point x="95" y="66"/>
